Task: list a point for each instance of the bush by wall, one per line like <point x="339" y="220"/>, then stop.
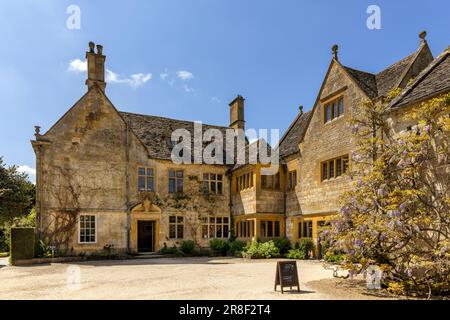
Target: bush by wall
<point x="21" y="244"/>
<point x="237" y="246"/>
<point x="305" y="246"/>
<point x="261" y="250"/>
<point x="219" y="246"/>
<point x="283" y="245"/>
<point x="296" y="254"/>
<point x="187" y="246"/>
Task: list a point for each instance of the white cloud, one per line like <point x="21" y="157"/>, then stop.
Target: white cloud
<point x="184" y="75"/>
<point x="215" y="100"/>
<point x="135" y="80"/>
<point x="27" y="169"/>
<point x="163" y="75"/>
<point x="187" y="88"/>
<point x="77" y="66"/>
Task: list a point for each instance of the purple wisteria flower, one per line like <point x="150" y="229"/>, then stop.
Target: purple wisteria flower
<point x="382" y="193"/>
<point x="402" y="206"/>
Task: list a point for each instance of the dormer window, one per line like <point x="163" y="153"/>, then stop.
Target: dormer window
<point x="334" y="109"/>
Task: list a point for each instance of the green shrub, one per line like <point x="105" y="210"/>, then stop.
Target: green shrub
<point x="219" y="246"/>
<point x="187" y="246"/>
<point x="260" y="250"/>
<point x="237" y="246"/>
<point x="21" y="244"/>
<point x="168" y="250"/>
<point x="333" y="257"/>
<point x="296" y="254"/>
<point x="44" y="250"/>
<point x="3" y="254"/>
<point x="305" y="245"/>
<point x="283" y="245"/>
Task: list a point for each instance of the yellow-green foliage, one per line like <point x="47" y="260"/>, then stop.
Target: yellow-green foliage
<point x="398" y="213"/>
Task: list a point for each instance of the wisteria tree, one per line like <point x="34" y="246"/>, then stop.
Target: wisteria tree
<point x="398" y="213"/>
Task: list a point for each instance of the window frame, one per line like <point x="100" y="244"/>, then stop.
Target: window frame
<point x="96" y="228"/>
<point x="176" y="224"/>
<point x="146" y="176"/>
<point x="330" y="166"/>
<point x="215" y="181"/>
<point x="221" y="225"/>
<point x="176" y="178"/>
<point x="292" y="180"/>
<point x="332" y="106"/>
<point x="271" y="182"/>
<point x="244" y="181"/>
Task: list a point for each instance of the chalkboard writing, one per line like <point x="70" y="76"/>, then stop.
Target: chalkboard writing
<point x="286" y="275"/>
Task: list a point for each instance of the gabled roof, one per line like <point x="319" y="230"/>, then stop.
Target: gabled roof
<point x="294" y="135"/>
<point x="366" y="81"/>
<point x="380" y="84"/>
<point x="156" y="132"/>
<point x="432" y="81"/>
<point x="389" y="78"/>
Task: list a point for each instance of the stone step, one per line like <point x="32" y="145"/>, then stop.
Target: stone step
<point x="149" y="255"/>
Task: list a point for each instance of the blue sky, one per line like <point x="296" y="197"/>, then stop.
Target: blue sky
<point x="191" y="58"/>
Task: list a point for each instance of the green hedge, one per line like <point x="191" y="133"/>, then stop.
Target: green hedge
<point x="21" y="244"/>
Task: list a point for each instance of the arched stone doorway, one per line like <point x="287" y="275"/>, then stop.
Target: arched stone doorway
<point x="145" y="227"/>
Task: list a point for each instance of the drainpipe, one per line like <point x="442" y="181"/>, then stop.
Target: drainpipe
<point x="230" y="203"/>
<point x="127" y="185"/>
<point x="284" y="166"/>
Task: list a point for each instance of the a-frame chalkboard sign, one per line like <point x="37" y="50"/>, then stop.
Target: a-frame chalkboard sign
<point x="286" y="275"/>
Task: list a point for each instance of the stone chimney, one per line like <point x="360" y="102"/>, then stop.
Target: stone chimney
<point x="237" y="113"/>
<point x="95" y="67"/>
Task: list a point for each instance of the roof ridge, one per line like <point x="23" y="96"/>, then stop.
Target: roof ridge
<point x="420" y="77"/>
<point x="167" y="118"/>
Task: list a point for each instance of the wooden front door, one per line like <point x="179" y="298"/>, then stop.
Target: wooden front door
<point x="146" y="236"/>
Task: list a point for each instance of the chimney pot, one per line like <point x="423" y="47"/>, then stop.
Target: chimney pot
<point x="237" y="113"/>
<point x="99" y="49"/>
<point x="300" y="108"/>
<point x="91" y="46"/>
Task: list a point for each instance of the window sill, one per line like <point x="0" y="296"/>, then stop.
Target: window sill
<point x="334" y="119"/>
<point x="334" y="179"/>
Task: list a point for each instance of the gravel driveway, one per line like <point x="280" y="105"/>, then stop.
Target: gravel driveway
<point x="170" y="278"/>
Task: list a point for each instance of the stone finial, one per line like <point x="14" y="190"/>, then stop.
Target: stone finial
<point x="335" y="48"/>
<point x="37" y="130"/>
<point x="91" y="46"/>
<point x="300" y="109"/>
<point x="99" y="49"/>
<point x="423" y="36"/>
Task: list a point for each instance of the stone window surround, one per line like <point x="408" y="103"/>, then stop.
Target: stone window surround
<point x="335" y="176"/>
<point x="292" y="184"/>
<point x="335" y="96"/>
<point x="96" y="229"/>
<point x="206" y="222"/>
<point x="176" y="224"/>
<point x="176" y="178"/>
<point x="154" y="178"/>
<point x="210" y="181"/>
<point x="244" y="181"/>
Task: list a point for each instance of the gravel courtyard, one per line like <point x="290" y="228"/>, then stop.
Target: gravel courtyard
<point x="171" y="278"/>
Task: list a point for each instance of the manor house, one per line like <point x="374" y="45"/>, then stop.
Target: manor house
<point x="106" y="178"/>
